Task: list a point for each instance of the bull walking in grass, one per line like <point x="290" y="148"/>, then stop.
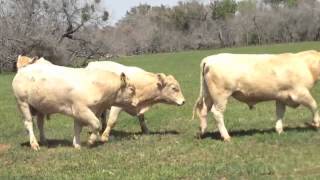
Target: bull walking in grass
<point x="43" y="88"/>
<point x="250" y="78"/>
<point x="151" y="89"/>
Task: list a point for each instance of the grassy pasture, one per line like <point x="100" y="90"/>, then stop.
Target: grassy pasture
<point x="171" y="151"/>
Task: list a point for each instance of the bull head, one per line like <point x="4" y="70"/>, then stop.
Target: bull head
<point x="170" y="89"/>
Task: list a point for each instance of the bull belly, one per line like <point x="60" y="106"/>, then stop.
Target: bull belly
<point x="131" y="110"/>
<point x="52" y="108"/>
<point x="251" y="99"/>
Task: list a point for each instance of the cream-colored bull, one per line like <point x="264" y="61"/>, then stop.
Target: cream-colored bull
<point x="150" y="89"/>
<point x="44" y="88"/>
<point x="285" y="78"/>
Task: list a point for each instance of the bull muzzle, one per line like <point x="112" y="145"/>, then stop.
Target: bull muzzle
<point x="180" y="103"/>
<point x="135" y="102"/>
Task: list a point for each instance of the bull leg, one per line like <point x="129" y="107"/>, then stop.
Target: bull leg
<point x="113" y="116"/>
<point x="220" y="100"/>
<point x="25" y="110"/>
<point x="143" y="125"/>
<point x="217" y="110"/>
<point x="40" y="123"/>
<point x="280" y="110"/>
<point x="77" y="131"/>
<point x="304" y="97"/>
<point x="95" y="127"/>
<point x="103" y="121"/>
<point x="86" y="115"/>
<point x="219" y="97"/>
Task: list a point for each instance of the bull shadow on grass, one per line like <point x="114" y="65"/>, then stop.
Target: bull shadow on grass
<point x="52" y="143"/>
<point x="132" y="135"/>
<point x="115" y="134"/>
<point x="250" y="132"/>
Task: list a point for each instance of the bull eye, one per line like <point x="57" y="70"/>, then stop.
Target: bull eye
<point x="132" y="89"/>
<point x="175" y="89"/>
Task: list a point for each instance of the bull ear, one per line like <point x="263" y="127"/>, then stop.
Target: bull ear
<point x="161" y="80"/>
<point x="18" y="63"/>
<point x="34" y="59"/>
<point x="170" y="76"/>
<point x="123" y="79"/>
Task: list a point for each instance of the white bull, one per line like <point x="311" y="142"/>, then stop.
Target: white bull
<point x="43" y="88"/>
<point x="150" y="89"/>
<point x="285" y="78"/>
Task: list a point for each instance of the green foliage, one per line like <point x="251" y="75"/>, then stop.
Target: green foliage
<point x="247" y="6"/>
<point x="292" y="3"/>
<point x="85" y="13"/>
<point x="196" y="25"/>
<point x="221" y="9"/>
<point x="45" y="5"/>
<point x="171" y="151"/>
<point x="253" y="38"/>
<point x="141" y="9"/>
<point x="89" y="10"/>
<point x="93" y="9"/>
<point x="105" y="16"/>
<point x="276" y="3"/>
<point x="180" y="18"/>
<point x="186" y="13"/>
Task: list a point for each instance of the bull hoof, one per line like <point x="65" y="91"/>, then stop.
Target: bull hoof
<point x="145" y="131"/>
<point x="104" y="139"/>
<point x="315" y="125"/>
<point x="35" y="146"/>
<point x="77" y="146"/>
<point x="91" y="142"/>
<point x="200" y="135"/>
<point x="279" y="127"/>
<point x="227" y="139"/>
<point x="279" y="130"/>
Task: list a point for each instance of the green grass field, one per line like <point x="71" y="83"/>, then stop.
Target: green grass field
<point x="172" y="151"/>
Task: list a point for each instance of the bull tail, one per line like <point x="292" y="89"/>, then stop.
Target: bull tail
<point x="199" y="101"/>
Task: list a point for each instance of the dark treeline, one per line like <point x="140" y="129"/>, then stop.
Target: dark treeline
<point x="66" y="29"/>
<point x="225" y="23"/>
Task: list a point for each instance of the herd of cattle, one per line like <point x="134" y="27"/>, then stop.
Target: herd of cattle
<point x="42" y="88"/>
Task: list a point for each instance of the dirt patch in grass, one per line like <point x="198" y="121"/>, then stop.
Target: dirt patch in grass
<point x="4" y="148"/>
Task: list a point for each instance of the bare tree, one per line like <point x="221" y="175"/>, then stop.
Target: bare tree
<point x="39" y="27"/>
